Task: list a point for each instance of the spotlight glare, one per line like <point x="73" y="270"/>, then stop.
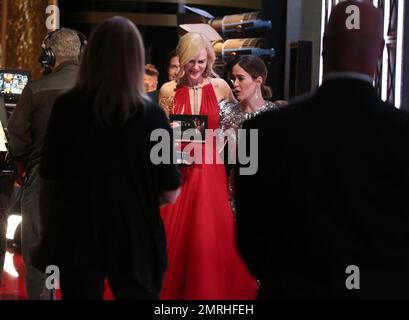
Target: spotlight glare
<point x="13" y="222"/>
<point x="9" y="265"/>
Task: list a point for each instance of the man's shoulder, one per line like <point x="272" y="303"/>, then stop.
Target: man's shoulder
<point x="281" y="114"/>
<point x="154" y="113"/>
<point x="154" y="95"/>
<point x="152" y="107"/>
<point x="71" y="100"/>
<point x="397" y="118"/>
<point x="71" y="95"/>
<point x="60" y="80"/>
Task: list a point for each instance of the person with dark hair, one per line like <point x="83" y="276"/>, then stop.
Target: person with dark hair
<point x="102" y="192"/>
<point x="332" y="221"/>
<point x="173" y="65"/>
<point x="249" y="76"/>
<point x="26" y="129"/>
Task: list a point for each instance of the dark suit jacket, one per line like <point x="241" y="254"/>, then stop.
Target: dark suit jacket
<point x="332" y="190"/>
<point x="154" y="95"/>
<point x="28" y="122"/>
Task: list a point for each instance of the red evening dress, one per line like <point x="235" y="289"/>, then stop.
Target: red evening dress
<point x="204" y="262"/>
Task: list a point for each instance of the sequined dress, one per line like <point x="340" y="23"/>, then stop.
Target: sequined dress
<point x="204" y="262"/>
<point x="231" y="118"/>
<point x="230" y="115"/>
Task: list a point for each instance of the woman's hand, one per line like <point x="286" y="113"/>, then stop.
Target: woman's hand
<point x="174" y="124"/>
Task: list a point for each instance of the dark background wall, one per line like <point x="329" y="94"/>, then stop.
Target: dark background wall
<point x="276" y="12"/>
<point x="160" y="40"/>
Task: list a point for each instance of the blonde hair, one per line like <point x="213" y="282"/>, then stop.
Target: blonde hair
<point x="189" y="46"/>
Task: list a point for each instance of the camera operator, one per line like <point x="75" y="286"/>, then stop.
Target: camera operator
<point x="27" y="127"/>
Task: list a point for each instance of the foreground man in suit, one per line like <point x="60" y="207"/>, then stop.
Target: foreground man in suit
<point x="327" y="214"/>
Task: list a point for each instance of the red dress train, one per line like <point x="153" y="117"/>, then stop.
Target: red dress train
<point x="204" y="262"/>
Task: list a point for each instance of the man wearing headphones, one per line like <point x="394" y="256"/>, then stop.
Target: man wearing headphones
<point x="27" y="127"/>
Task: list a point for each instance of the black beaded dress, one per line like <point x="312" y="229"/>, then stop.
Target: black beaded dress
<point x="231" y="119"/>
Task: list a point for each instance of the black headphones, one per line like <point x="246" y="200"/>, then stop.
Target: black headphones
<point x="47" y="56"/>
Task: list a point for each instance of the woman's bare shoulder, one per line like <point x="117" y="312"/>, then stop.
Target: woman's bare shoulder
<point x="168" y="88"/>
<point x="219" y="83"/>
<point x="222" y="89"/>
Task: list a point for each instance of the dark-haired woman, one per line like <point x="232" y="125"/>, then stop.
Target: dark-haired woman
<point x="249" y="77"/>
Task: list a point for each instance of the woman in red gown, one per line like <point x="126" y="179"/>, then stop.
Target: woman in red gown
<point x="203" y="260"/>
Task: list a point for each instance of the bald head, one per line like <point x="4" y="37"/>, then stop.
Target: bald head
<point x="353" y="39"/>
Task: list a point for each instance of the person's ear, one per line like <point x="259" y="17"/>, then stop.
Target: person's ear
<point x="259" y="80"/>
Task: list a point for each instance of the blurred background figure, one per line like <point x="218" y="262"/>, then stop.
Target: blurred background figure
<point x="173" y="65"/>
<point x="150" y="81"/>
<point x="150" y="78"/>
<point x="249" y="77"/>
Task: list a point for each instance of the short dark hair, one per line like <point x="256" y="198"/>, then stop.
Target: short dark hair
<point x="171" y="55"/>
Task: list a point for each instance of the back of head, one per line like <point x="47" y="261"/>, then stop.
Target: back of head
<point x="189" y="46"/>
<point x="65" y="44"/>
<point x="151" y="70"/>
<point x="60" y="46"/>
<point x="256" y="67"/>
<point x="151" y="77"/>
<point x="353" y="39"/>
<point x="112" y="69"/>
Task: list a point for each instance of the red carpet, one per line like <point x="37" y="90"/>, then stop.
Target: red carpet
<point x="12" y="284"/>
